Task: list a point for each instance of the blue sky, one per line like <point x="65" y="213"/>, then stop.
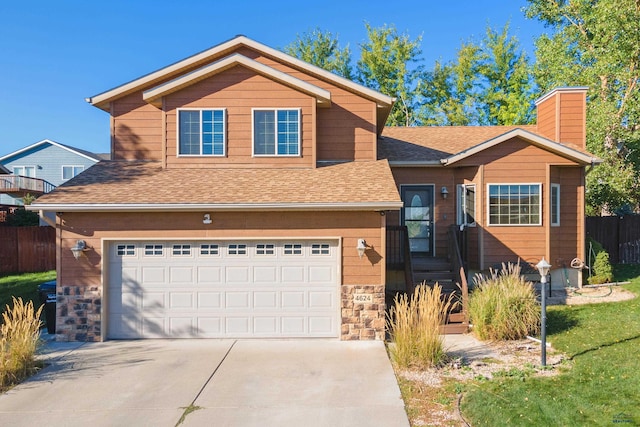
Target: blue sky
<point x="54" y="54"/>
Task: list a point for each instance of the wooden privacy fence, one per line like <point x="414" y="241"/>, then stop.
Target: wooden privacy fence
<point x="619" y="235"/>
<point x="27" y="249"/>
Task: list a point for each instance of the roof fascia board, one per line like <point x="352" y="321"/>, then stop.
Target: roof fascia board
<point x="530" y="137"/>
<point x="414" y="163"/>
<point x="154" y="95"/>
<point x="48" y="141"/>
<point x="100" y="99"/>
<point x="575" y="89"/>
<point x="147" y="207"/>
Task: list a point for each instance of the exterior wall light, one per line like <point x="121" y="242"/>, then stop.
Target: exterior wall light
<point x="444" y="192"/>
<point x="79" y="249"/>
<point x="543" y="268"/>
<point x="361" y="247"/>
<point x="206" y="219"/>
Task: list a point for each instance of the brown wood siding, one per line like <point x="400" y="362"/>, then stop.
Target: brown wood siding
<point x="239" y="90"/>
<point x="347" y="226"/>
<point x="573" y="119"/>
<point x="136" y="129"/>
<point x="547" y="119"/>
<point x="567" y="240"/>
<point x="346" y="130"/>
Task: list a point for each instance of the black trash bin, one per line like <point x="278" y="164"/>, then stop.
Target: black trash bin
<point x="47" y="293"/>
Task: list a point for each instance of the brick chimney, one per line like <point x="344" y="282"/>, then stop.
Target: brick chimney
<point x="562" y="115"/>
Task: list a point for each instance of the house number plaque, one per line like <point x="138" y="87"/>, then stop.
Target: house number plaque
<point x="363" y="298"/>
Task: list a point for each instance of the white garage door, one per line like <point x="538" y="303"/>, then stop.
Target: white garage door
<point x="223" y="289"/>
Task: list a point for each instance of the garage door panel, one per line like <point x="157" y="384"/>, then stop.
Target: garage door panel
<point x="321" y="274"/>
<point x="209" y="275"/>
<point x="237" y="275"/>
<point x="180" y="300"/>
<point x="265" y="275"/>
<point x="223" y="289"/>
<point x="265" y="300"/>
<point x="235" y="300"/>
<point x="293" y="299"/>
<point x="209" y="300"/>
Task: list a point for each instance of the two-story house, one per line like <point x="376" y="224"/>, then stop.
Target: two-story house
<point x="249" y="195"/>
<point x="39" y="168"/>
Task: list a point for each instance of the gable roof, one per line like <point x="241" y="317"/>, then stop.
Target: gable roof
<point x="174" y="70"/>
<point x="145" y="186"/>
<point x="154" y="95"/>
<point x="445" y="145"/>
<point x="4" y="170"/>
<point x="86" y="154"/>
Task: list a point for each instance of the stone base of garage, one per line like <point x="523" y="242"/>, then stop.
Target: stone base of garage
<point x="363" y="312"/>
<point x="78" y="313"/>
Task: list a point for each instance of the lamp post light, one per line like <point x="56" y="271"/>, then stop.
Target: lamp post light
<point x="543" y="268"/>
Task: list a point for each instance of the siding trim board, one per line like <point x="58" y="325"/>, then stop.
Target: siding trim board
<point x="533" y="139"/>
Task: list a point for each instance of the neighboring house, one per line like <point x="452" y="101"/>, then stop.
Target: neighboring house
<point x="39" y="168"/>
<point x="252" y="195"/>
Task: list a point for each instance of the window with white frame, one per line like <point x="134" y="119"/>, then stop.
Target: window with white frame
<point x="276" y="132"/>
<point x="514" y="204"/>
<point x="69" y="172"/>
<point x="555" y="205"/>
<point x="466" y="206"/>
<point x="29" y="171"/>
<point x="201" y="132"/>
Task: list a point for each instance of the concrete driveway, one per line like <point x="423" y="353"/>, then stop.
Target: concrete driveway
<point x="222" y="382"/>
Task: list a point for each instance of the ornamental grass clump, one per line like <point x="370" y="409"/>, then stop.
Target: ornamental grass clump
<point x="414" y="323"/>
<point x="504" y="305"/>
<point x="19" y="340"/>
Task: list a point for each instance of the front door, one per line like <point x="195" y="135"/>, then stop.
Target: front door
<point x="417" y="216"/>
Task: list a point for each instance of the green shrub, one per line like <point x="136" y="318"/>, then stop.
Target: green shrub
<point x="19" y="340"/>
<point x="415" y="327"/>
<point x="503" y="306"/>
<point x="602" y="269"/>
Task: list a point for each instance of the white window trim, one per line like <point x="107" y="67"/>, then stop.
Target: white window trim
<point x="35" y="170"/>
<point x="224" y="132"/>
<point x="461" y="205"/>
<point x="71" y="166"/>
<point x="557" y="223"/>
<point x="488" y="202"/>
<point x="275" y="110"/>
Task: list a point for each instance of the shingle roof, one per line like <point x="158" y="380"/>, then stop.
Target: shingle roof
<point x="125" y="184"/>
<point x="433" y="143"/>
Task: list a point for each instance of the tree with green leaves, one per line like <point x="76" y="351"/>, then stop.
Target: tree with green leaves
<point x="321" y="48"/>
<point x="386" y="64"/>
<point x="597" y="44"/>
<point x="489" y="83"/>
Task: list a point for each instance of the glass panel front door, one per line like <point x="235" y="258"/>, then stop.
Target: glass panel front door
<point x="417" y="216"/>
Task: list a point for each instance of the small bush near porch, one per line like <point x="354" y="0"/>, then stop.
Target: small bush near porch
<point x="415" y="323"/>
<point x="503" y="306"/>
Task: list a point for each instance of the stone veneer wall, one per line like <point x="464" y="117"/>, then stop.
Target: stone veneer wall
<point x="78" y="313"/>
<point x="363" y="321"/>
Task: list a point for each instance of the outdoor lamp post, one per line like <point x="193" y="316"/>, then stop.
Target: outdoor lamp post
<point x="543" y="268"/>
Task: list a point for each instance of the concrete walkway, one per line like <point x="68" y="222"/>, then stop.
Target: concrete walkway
<point x="224" y="382"/>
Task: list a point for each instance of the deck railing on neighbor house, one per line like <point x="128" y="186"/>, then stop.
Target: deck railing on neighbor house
<point x="17" y="184"/>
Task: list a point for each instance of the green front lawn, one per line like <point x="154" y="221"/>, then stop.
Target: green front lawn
<point x="23" y="285"/>
<point x="601" y="381"/>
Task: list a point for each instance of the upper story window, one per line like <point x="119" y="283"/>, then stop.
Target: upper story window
<point x="29" y="171"/>
<point x="514" y="204"/>
<point x="276" y="132"/>
<point x="201" y="132"/>
<point x="69" y="172"/>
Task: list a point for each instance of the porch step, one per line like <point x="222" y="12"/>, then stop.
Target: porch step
<point x="433" y="276"/>
<point x="454" y="328"/>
